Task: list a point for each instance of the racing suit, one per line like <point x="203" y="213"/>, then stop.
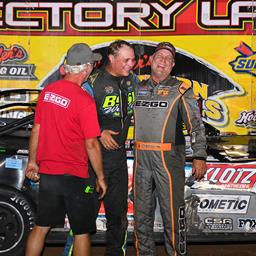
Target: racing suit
<point x="160" y="110"/>
<point x="114" y="97"/>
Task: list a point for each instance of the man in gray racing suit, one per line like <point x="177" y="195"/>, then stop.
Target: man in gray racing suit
<point x="162" y="105"/>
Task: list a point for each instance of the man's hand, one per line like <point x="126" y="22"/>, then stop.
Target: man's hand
<point x="199" y="169"/>
<point x="32" y="171"/>
<point x="101" y="187"/>
<point x="107" y="140"/>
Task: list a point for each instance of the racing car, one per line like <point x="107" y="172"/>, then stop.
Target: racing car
<point x="221" y="207"/>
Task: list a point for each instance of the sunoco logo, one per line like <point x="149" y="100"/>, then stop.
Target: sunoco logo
<point x="246" y="62"/>
<point x="11" y="64"/>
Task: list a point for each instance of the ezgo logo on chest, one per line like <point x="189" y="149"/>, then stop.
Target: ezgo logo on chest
<point x="151" y="104"/>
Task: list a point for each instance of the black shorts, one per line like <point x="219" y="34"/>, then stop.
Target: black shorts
<point x="66" y="194"/>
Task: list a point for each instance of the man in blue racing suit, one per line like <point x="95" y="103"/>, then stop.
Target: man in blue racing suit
<point x="113" y="88"/>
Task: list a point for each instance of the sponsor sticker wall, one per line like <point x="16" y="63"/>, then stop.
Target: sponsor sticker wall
<point x="224" y="200"/>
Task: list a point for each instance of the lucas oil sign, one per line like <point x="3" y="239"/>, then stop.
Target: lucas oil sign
<point x="215" y="44"/>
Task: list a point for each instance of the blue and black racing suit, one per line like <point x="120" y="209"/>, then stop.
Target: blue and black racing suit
<point x="114" y="98"/>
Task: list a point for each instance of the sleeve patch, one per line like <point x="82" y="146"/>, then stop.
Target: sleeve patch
<point x="92" y="78"/>
<point x="184" y="87"/>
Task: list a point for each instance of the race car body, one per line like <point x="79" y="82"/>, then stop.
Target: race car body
<point x="218" y="208"/>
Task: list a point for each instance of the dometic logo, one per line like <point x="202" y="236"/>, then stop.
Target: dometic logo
<point x="151" y="104"/>
<point x="246" y="62"/>
<point x="237" y="177"/>
<point x="56" y="99"/>
<point x="11" y="67"/>
<point x="223" y="203"/>
<point x="119" y="15"/>
<point x="219" y="223"/>
<point x="247" y="119"/>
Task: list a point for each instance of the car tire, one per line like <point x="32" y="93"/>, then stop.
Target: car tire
<point x="17" y="218"/>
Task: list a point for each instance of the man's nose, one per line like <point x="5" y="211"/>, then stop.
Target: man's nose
<point x="131" y="63"/>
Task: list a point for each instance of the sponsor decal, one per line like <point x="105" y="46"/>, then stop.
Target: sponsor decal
<point x="163" y="92"/>
<point x="22" y="151"/>
<point x="223" y="203"/>
<point x="233" y="177"/>
<point x="246" y="61"/>
<point x="151" y="104"/>
<point x="11" y="64"/>
<point x="14" y="97"/>
<point x="111" y="104"/>
<point x="121" y="16"/>
<point x="247" y="119"/>
<point x="109" y="89"/>
<point x="56" y="99"/>
<point x="14" y="114"/>
<point x="219" y="223"/>
<point x="247" y="224"/>
<point x="182" y="231"/>
<point x="13" y="163"/>
<point x="143" y="92"/>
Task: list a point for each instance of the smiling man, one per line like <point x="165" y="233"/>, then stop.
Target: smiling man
<point x="162" y="105"/>
<point x="113" y="87"/>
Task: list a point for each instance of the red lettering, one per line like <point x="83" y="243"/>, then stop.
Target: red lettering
<point x="10" y="54"/>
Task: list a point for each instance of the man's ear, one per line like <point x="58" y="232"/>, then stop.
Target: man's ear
<point x="62" y="70"/>
<point x="151" y="58"/>
<point x="111" y="58"/>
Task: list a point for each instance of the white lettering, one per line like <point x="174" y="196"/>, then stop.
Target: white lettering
<point x="11" y="13"/>
<point x="166" y="13"/>
<point x="3" y="71"/>
<point x="237" y="15"/>
<point x="78" y="17"/>
<point x="206" y="16"/>
<point x="136" y="17"/>
<point x="56" y="99"/>
<point x="55" y="10"/>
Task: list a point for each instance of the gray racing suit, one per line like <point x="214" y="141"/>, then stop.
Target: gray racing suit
<point x="160" y="110"/>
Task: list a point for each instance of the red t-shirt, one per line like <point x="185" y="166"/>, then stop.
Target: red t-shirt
<point x="67" y="116"/>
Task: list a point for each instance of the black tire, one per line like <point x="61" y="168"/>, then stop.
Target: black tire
<point x="17" y="218"/>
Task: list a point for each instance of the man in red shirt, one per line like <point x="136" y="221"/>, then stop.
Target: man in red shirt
<point x="63" y="137"/>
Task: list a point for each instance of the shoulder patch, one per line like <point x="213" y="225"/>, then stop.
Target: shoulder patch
<point x="144" y="82"/>
<point x="92" y="78"/>
<point x="184" y="87"/>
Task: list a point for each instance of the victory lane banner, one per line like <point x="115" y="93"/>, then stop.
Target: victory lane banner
<point x="216" y="49"/>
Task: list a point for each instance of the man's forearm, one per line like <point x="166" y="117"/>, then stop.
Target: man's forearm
<point x="95" y="156"/>
<point x="33" y="142"/>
